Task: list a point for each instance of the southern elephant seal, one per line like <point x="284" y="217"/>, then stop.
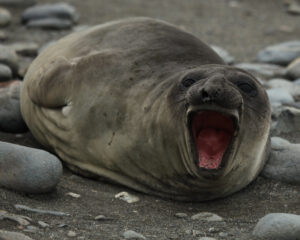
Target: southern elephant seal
<point x="149" y="106"/>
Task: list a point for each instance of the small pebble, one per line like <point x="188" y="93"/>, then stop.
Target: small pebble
<point x="72" y="234"/>
<point x="125" y="196"/>
<point x="223" y="234"/>
<point x="74" y="195"/>
<point x="43" y="224"/>
<point x="102" y="217"/>
<point x="129" y="234"/>
<point x="207" y="216"/>
<point x="181" y="215"/>
<point x="196" y="233"/>
<point x="207" y="238"/>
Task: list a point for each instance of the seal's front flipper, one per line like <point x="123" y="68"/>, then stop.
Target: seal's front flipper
<point x="50" y="85"/>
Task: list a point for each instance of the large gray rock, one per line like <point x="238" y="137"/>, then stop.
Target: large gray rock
<point x="279" y="96"/>
<point x="293" y="70"/>
<point x="5" y="17"/>
<point x="282" y="53"/>
<point x="292" y="88"/>
<point x="278" y="226"/>
<point x="27" y="169"/>
<point x="61" y="11"/>
<point x="5" y="73"/>
<point x="223" y="54"/>
<point x="288" y="121"/>
<point x="10" y="114"/>
<point x="284" y="161"/>
<point x="263" y="70"/>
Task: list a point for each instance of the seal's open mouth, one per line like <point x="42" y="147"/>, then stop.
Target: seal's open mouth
<point x="213" y="132"/>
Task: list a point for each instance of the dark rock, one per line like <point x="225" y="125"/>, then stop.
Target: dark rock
<point x="50" y="23"/>
<point x="10" y="114"/>
<point x="17" y="3"/>
<point x="29" y="49"/>
<point x="5" y="73"/>
<point x="27" y="169"/>
<point x="282" y="53"/>
<point x="62" y="11"/>
<point x="9" y="58"/>
<point x="278" y="226"/>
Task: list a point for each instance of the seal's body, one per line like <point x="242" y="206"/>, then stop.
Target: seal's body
<point x="149" y="106"/>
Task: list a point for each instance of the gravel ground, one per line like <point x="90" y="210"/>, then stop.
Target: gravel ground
<point x="242" y="28"/>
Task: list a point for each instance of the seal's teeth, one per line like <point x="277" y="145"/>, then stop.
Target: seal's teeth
<point x="235" y="133"/>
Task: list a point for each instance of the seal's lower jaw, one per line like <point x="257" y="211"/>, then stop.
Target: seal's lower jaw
<point x="212" y="133"/>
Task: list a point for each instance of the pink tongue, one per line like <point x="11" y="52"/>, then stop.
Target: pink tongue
<point x="212" y="144"/>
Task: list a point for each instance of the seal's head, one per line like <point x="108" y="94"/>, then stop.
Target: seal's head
<point x="226" y="116"/>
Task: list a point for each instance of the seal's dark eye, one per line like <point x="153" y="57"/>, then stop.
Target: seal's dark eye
<point x="188" y="82"/>
<point x="247" y="88"/>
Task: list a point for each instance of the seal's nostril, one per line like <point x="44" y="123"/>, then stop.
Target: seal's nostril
<point x="204" y="95"/>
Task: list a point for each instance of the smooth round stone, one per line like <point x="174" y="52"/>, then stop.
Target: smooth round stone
<point x="263" y="70"/>
<point x="291" y="87"/>
<point x="27" y="169"/>
<point x="5" y="73"/>
<point x="282" y="53"/>
<point x="293" y="70"/>
<point x="11" y="119"/>
<point x="57" y="10"/>
<point x="278" y="226"/>
<point x="26" y="49"/>
<point x="50" y="23"/>
<point x="279" y="96"/>
<point x="132" y="235"/>
<point x="284" y="162"/>
<point x="228" y="59"/>
<point x="5" y="17"/>
<point x="9" y="58"/>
